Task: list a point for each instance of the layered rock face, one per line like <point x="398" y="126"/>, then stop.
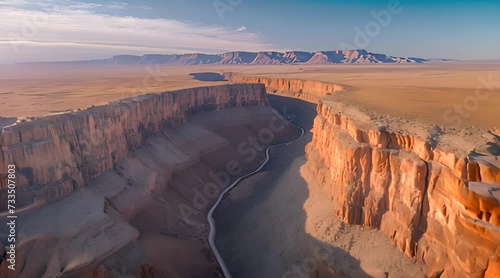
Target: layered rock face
<point x="437" y="206"/>
<point x="57" y="154"/>
<point x="149" y="211"/>
<point x="308" y="90"/>
<point x="437" y="203"/>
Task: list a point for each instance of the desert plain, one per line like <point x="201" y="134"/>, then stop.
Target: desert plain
<point x="423" y="92"/>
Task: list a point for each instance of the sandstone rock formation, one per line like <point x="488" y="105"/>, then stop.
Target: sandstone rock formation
<point x="308" y="90"/>
<point x="437" y="206"/>
<point x="149" y="209"/>
<point x="113" y="179"/>
<point x="438" y="199"/>
<point x="57" y="154"/>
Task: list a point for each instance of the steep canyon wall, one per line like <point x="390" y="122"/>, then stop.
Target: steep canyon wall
<point x="308" y="90"/>
<point x="57" y="154"/>
<point x="435" y="205"/>
<point x="438" y="204"/>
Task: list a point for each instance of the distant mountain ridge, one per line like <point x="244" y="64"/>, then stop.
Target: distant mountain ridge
<point x="358" y="56"/>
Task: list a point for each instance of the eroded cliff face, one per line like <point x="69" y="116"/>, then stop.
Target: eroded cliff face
<point x="57" y="154"/>
<point x="308" y="90"/>
<point x="434" y="203"/>
<point x="437" y="202"/>
<point x="150" y="209"/>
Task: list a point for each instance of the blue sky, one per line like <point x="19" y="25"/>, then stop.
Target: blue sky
<point x="77" y="29"/>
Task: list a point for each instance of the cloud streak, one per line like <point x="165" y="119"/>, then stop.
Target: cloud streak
<point x="241" y="28"/>
<point x="71" y="30"/>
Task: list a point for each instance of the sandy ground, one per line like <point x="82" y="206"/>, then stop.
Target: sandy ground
<point x="276" y="225"/>
<point x="422" y="91"/>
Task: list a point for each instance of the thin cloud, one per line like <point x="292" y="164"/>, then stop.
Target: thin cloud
<point x="76" y="31"/>
<point x="55" y="5"/>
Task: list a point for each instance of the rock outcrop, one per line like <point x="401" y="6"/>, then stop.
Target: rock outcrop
<point x="57" y="154"/>
<point x="435" y="205"/>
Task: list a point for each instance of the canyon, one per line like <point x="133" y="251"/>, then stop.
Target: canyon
<point x="59" y="153"/>
<point x="126" y="168"/>
<point x="123" y="181"/>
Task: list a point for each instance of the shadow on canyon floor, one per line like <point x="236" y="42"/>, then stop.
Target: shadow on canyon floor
<point x="262" y="223"/>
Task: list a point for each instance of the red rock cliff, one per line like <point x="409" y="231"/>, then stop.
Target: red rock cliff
<point x="435" y="205"/>
<point x="57" y="154"/>
<point x="308" y="90"/>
